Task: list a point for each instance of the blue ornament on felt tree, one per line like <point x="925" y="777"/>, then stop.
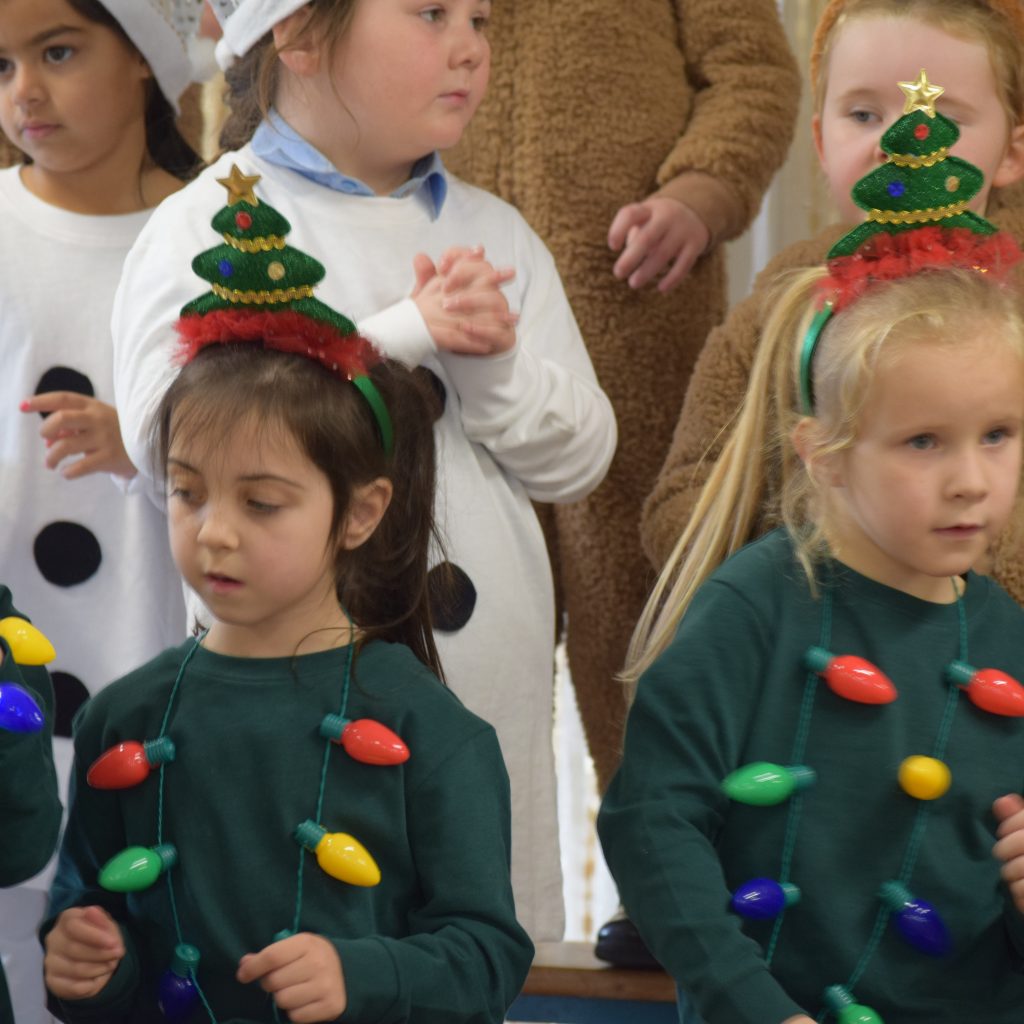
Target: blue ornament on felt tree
<point x="763" y="898"/>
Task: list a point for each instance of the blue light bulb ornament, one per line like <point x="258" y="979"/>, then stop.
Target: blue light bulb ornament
<point x="177" y="993"/>
<point x="841" y="1003"/>
<point x="916" y="920"/>
<point x="763" y="784"/>
<point x="763" y="898"/>
<point x="19" y="711"/>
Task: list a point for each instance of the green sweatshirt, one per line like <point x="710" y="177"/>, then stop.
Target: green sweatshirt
<point x="29" y="805"/>
<point x="727" y="692"/>
<point x="435" y="941"/>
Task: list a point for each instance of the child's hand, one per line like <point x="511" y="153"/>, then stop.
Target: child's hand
<point x="304" y="975"/>
<point x="79" y="425"/>
<point x="660" y="232"/>
<point x="82" y="953"/>
<point x="799" y="1019"/>
<point x="1009" y="848"/>
<point x="462" y="304"/>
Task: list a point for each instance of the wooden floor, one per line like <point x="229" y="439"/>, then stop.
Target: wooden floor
<point x="567" y="984"/>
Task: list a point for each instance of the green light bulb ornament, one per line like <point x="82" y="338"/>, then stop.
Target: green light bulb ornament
<point x="137" y="867"/>
<point x="764" y="784"/>
<point x="841" y="1003"/>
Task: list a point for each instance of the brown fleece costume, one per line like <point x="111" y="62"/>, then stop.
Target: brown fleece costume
<point x="719" y="383"/>
<point x="594" y="104"/>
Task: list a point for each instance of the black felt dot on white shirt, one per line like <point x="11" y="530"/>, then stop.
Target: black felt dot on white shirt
<point x="452" y="597"/>
<point x="66" y="553"/>
<point x="69" y="695"/>
<point x="63" y="378"/>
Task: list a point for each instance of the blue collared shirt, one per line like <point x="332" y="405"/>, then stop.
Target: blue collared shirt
<point x="278" y="143"/>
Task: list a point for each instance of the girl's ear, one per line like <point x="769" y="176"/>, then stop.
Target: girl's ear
<point x="824" y="470"/>
<point x="366" y="509"/>
<point x="1011" y="167"/>
<point x="302" y="59"/>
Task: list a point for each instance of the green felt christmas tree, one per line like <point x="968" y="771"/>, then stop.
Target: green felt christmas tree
<point x="920" y="183"/>
<point x="255" y="269"/>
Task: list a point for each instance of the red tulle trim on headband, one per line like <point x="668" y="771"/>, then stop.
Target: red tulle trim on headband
<point x="348" y="355"/>
<point x="885" y="257"/>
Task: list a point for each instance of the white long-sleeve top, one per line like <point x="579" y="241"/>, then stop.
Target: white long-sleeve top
<point x="531" y="423"/>
<point x="87" y="562"/>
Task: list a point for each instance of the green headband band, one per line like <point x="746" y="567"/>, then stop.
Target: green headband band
<point x="380" y="412"/>
<point x="810" y="343"/>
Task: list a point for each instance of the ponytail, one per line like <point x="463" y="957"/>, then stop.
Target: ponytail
<point x="731" y="502"/>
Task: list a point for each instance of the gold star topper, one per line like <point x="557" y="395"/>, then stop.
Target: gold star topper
<point x="240" y="187"/>
<point x="921" y="95"/>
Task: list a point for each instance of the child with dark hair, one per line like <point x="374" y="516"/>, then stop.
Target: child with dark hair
<point x="300" y="488"/>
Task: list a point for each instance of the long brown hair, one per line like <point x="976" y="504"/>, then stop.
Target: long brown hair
<point x="381" y="584"/>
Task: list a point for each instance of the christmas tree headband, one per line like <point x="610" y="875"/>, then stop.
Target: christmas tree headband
<point x="917" y="219"/>
<point x="261" y="290"/>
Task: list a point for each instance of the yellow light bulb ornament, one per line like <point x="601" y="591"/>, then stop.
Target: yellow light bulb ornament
<point x="342" y="856"/>
<point x="924" y="778"/>
<point x="28" y="645"/>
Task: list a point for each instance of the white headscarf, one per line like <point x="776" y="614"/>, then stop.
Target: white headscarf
<point x="164" y="32"/>
<point x="245" y="22"/>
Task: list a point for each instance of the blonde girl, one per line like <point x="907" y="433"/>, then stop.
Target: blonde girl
<point x="899" y="451"/>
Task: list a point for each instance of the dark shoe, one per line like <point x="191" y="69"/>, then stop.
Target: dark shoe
<point x="619" y="943"/>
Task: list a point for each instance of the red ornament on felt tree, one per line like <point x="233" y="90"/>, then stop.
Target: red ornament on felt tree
<point x="851" y="677"/>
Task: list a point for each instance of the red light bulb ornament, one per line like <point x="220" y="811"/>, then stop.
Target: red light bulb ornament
<point x="177" y="993"/>
<point x="841" y="1003"/>
<point x="137" y="867"/>
<point x="19" y="711"/>
<point x="763" y="784"/>
<point x="851" y="677"/>
<point x="763" y="898"/>
<point x="916" y="920"/>
<point x="990" y="689"/>
<point x="129" y="763"/>
<point x="365" y="740"/>
<point x="342" y="856"/>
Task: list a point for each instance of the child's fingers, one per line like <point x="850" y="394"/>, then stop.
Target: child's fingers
<point x="270" y="958"/>
<point x="91" y="928"/>
<point x="680" y="268"/>
<point x="306" y="1005"/>
<point x="629" y="217"/>
<point x="424" y="269"/>
<point x="1009" y="812"/>
<point x="54" y="401"/>
<point x="477" y="274"/>
<point x="450" y="257"/>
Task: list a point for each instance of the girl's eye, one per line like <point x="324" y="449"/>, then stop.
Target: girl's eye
<point x="995" y="436"/>
<point x="184" y="495"/>
<point x="58" y="54"/>
<point x="922" y="442"/>
<point x="262" y="507"/>
<point x="432" y="14"/>
<point x="480" y="22"/>
<point x="863" y="116"/>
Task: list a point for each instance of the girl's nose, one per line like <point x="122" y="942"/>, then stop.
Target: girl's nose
<point x="969" y="479"/>
<point x="217" y="529"/>
<point x="27" y="86"/>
